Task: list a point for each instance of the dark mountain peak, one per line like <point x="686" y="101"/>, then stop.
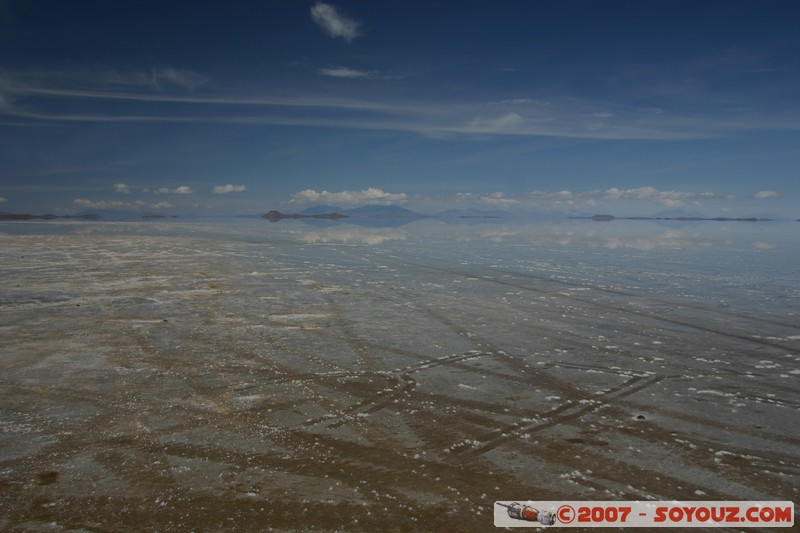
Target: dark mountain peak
<point x="679" y="214"/>
<point x="473" y="213"/>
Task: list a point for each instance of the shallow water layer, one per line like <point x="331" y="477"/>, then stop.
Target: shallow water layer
<point x="214" y="375"/>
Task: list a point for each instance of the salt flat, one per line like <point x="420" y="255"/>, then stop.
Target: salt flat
<point x="188" y="377"/>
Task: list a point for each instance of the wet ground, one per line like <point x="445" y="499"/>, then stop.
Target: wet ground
<point x="202" y="382"/>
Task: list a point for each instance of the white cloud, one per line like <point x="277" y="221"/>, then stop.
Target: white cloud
<point x="343" y="72"/>
<point x="499" y="199"/>
<point x="667" y="198"/>
<point x="122" y="188"/>
<point x="761" y="245"/>
<point x="117" y="204"/>
<point x="183" y="189"/>
<point x="334" y="23"/>
<point x="763" y="195"/>
<point x="107" y="204"/>
<point x="225" y="189"/>
<point x="371" y="195"/>
<point x="2" y="200"/>
<point x="566" y="199"/>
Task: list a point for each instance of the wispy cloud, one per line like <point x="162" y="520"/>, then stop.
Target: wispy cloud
<point x="158" y="78"/>
<point x="507" y="123"/>
<point x="343" y="72"/>
<point x="34" y="97"/>
<point x="107" y="204"/>
<point x="371" y="195"/>
<point x="764" y="195"/>
<point x="512" y="101"/>
<point x="334" y="23"/>
<point x="2" y="199"/>
<point x="122" y="188"/>
<point x="35" y="88"/>
<point x="229" y="188"/>
<point x="183" y="189"/>
<point x="184" y="78"/>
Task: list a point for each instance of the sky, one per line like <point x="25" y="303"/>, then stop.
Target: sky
<point x="565" y="106"/>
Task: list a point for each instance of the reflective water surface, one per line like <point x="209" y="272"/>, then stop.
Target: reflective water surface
<point x="314" y="375"/>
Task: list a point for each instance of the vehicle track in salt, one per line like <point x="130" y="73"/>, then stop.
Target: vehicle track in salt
<point x="624" y="310"/>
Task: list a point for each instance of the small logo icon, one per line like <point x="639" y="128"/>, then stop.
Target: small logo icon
<point x="529" y="514"/>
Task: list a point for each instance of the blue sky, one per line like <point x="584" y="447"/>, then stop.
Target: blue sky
<point x="240" y="107"/>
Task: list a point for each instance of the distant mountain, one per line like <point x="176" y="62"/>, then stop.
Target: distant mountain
<point x="675" y="218"/>
<point x="119" y="215"/>
<point x="46" y="216"/>
<point x="770" y="216"/>
<point x="678" y="214"/>
<point x="472" y="213"/>
<point x="275" y="216"/>
<point x="368" y="215"/>
<point x="111" y="214"/>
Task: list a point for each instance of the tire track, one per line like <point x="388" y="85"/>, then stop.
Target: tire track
<point x="566" y="412"/>
<point x="387" y="396"/>
<point x="626" y="311"/>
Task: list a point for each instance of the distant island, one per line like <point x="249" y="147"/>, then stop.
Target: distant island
<point x="274" y="216"/>
<point x="609" y="218"/>
<point x="47" y="216"/>
<point x="368" y="215"/>
<point x="106" y="215"/>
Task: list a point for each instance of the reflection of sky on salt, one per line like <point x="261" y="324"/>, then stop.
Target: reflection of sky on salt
<point x="616" y="235"/>
<point x="621" y="234"/>
<point x="752" y="267"/>
<point x="739" y="264"/>
<point x="747" y="266"/>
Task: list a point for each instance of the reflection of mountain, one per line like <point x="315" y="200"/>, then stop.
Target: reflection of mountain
<point x="384" y="216"/>
<point x="275" y="216"/>
<point x="473" y="216"/>
<point x="674" y="217"/>
<point x="472" y="213"/>
<point x="48" y="216"/>
<point x="321" y="209"/>
<point x="376" y="216"/>
<point x="120" y="215"/>
<point x="678" y="214"/>
<point x="381" y="216"/>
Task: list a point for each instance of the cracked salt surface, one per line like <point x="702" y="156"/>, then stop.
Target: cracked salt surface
<point x="209" y="376"/>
